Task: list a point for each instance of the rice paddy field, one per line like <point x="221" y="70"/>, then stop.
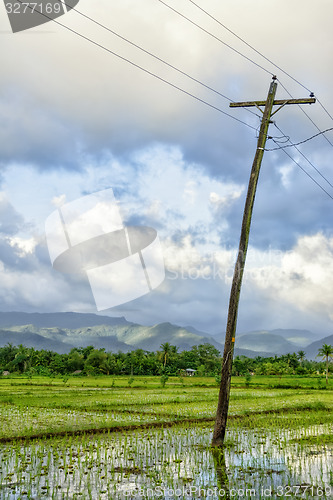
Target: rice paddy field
<point x="118" y="438"/>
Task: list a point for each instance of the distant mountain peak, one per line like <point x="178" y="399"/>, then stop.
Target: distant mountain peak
<point x="63" y="331"/>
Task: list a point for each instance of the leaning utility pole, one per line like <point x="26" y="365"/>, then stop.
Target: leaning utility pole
<point x="223" y="403"/>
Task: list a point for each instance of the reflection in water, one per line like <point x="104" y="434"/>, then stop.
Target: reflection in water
<point x="221" y="471"/>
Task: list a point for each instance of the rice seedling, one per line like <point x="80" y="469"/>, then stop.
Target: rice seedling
<point x="117" y="442"/>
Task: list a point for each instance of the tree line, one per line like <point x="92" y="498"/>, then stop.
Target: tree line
<point x="168" y="360"/>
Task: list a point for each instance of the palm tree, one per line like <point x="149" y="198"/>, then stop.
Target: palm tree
<point x="326" y="352"/>
<point x="166" y="350"/>
<point x="301" y="356"/>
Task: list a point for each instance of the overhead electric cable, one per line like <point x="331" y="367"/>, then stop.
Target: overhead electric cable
<point x="155" y="56"/>
<point x="249" y="45"/>
<point x="306" y="114"/>
<point x="307" y="159"/>
<point x="327" y="112"/>
<point x="141" y="68"/>
<point x="216" y="37"/>
<point x="186" y="74"/>
<point x="280" y="140"/>
<point x="307" y="173"/>
<point x="301" y="142"/>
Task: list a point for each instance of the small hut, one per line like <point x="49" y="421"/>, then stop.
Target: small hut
<point x="190" y="372"/>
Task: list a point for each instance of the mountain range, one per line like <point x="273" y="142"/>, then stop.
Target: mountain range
<point x="61" y="332"/>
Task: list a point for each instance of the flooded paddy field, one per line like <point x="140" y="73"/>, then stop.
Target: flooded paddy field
<point x="156" y="443"/>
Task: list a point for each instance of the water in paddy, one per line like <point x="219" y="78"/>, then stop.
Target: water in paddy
<point x="170" y="463"/>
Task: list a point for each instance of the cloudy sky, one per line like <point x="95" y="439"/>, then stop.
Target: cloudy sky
<point x="75" y="119"/>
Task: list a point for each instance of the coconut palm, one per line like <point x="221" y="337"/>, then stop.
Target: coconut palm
<point x="326" y="352"/>
<point x="301" y="356"/>
<point x="166" y="350"/>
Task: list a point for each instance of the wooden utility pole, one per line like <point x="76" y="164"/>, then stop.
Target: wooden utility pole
<point x="223" y="402"/>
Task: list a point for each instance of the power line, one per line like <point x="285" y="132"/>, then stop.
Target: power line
<point x="280" y="140"/>
<point x="183" y="72"/>
<point x="177" y="69"/>
<point x="243" y="55"/>
<point x="321" y="104"/>
<point x="298" y="143"/>
<point x="155" y="56"/>
<point x="142" y="68"/>
<point x="259" y="53"/>
<point x="198" y="81"/>
<point x="249" y="45"/>
<point x="307" y="173"/>
<point x="306" y="114"/>
<point x="216" y="37"/>
<point x="307" y="159"/>
<point x="150" y="53"/>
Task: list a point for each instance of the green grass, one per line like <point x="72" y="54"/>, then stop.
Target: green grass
<point x="43" y="406"/>
<point x="259" y="381"/>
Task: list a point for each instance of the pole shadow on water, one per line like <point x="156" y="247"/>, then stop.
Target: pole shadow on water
<point x="221" y="472"/>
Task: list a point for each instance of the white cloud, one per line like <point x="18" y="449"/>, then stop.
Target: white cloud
<point x="225" y="201"/>
<point x="26" y="246"/>
<point x="286" y="172"/>
<point x="170" y="185"/>
<point x="58" y="201"/>
<point x="304" y="276"/>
